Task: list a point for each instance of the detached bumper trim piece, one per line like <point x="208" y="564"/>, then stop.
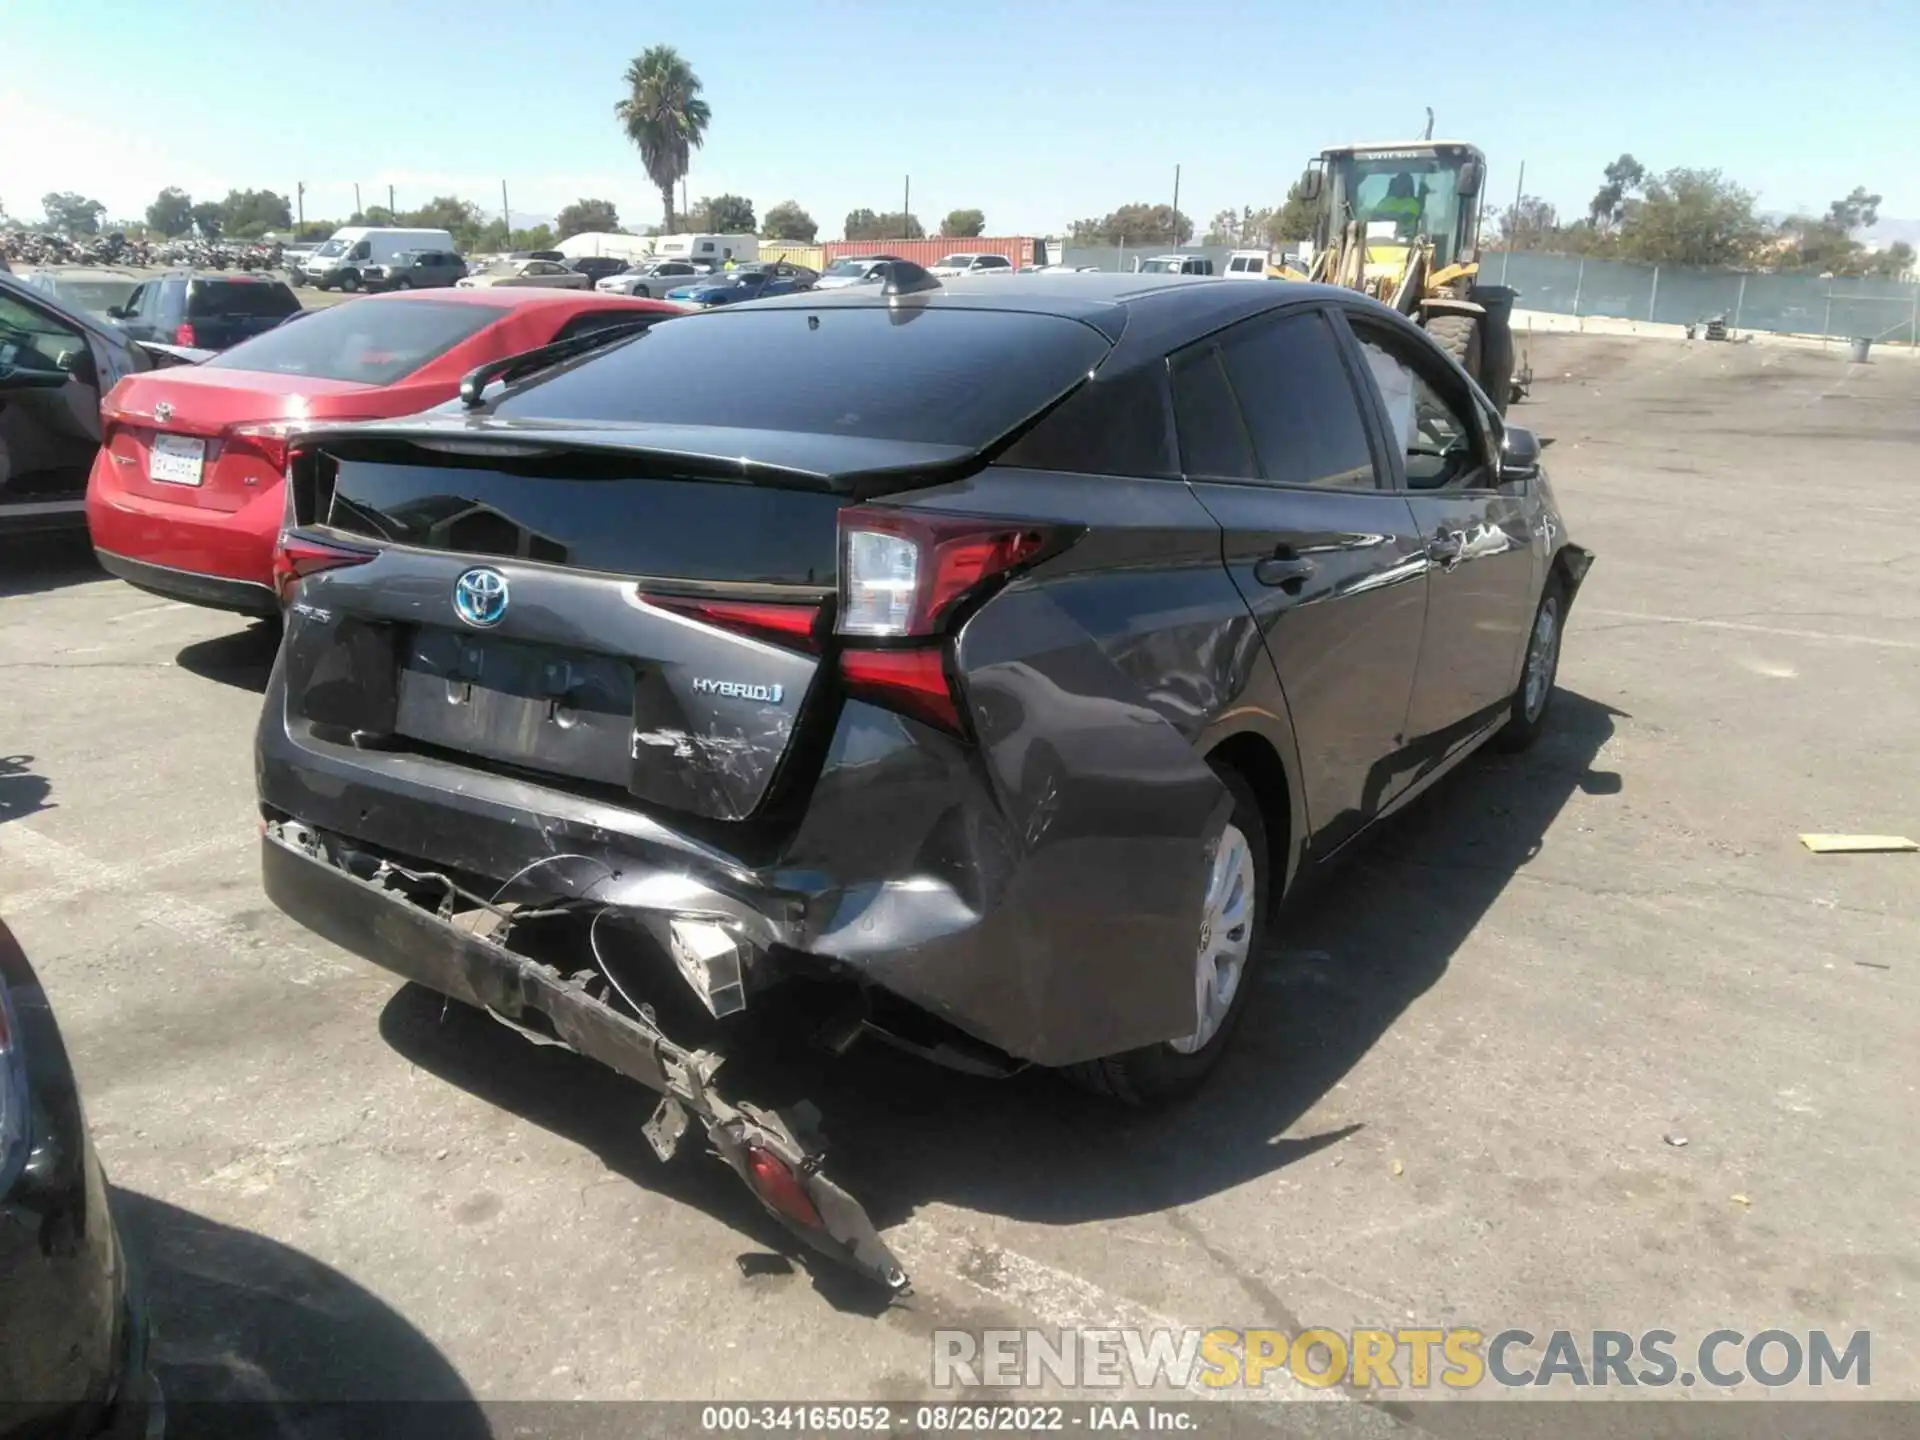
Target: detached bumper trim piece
<point x="380" y="925"/>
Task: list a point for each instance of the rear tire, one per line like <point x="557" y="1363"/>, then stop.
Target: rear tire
<point x="1155" y="1074"/>
<point x="403" y="283"/>
<point x="1533" y="697"/>
<point x="350" y="281"/>
<point x="1496" y="363"/>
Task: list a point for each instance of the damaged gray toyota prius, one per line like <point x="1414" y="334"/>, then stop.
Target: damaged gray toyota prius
<point x="990" y="657"/>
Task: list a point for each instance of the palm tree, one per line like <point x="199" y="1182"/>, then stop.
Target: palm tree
<point x="664" y="116"/>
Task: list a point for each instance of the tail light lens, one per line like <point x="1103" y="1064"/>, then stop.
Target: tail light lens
<point x="776" y="1185"/>
<point x="782" y="623"/>
<point x="902" y="575"/>
<point x="297" y="556"/>
<point x="268" y="442"/>
<point x="183" y="335"/>
<point x="900" y="571"/>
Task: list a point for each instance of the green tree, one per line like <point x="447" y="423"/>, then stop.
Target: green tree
<point x="722" y="215"/>
<point x="1894" y="261"/>
<point x="537" y="237"/>
<point x="71" y="213"/>
<point x="1608" y="206"/>
<point x="1690" y="217"/>
<point x="964" y="224"/>
<point x="171" y="213"/>
<point x="665" y="118"/>
<point x="208" y="217"/>
<point x="1859" y="211"/>
<point x="1529" y="224"/>
<point x="893" y="225"/>
<point x="1294" y="220"/>
<point x="587" y="216"/>
<point x="459" y="218"/>
<point x="249" y="214"/>
<point x="787" y="221"/>
<point x="375" y="215"/>
<point x="1136" y="224"/>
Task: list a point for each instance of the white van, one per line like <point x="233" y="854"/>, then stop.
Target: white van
<point x="341" y="259"/>
<point x="1249" y="264"/>
<point x="714" y="250"/>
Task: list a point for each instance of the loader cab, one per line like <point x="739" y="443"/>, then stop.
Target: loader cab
<point x="1399" y="192"/>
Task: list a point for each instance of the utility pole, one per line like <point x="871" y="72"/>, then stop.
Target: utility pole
<point x="506" y="216"/>
<point x="906" y="207"/>
<point x="356" y="201"/>
<point x="389" y="202"/>
<point x="1513" y="215"/>
<point x="300" y="202"/>
<point x="1176" y="207"/>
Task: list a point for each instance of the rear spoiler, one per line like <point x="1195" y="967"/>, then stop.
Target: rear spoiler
<point x="854" y="466"/>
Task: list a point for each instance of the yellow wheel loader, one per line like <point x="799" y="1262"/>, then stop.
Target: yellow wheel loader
<point x="1401" y="222"/>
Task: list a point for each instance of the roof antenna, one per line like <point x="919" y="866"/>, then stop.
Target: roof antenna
<point x="1429" y="134"/>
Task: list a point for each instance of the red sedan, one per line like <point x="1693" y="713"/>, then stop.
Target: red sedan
<point x="185" y="497"/>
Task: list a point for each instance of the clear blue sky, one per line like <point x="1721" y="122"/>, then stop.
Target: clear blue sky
<point x="1038" y="112"/>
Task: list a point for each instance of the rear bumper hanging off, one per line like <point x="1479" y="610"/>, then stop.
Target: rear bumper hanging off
<point x="773" y="1152"/>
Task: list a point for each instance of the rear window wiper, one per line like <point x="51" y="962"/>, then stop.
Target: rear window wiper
<point x="514" y="367"/>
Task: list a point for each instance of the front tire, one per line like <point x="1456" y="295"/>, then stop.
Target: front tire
<point x="1461" y="337"/>
<point x="403" y="284"/>
<point x="1226" y="955"/>
<point x="350" y="281"/>
<point x="1533" y="697"/>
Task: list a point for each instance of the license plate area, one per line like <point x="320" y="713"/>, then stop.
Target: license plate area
<point x="176" y="459"/>
<point x="563" y="712"/>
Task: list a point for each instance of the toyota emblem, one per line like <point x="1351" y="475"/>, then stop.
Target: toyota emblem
<point x="480" y="598"/>
<point x="163" y="411"/>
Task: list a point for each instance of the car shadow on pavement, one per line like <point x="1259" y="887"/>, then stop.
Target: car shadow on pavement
<point x="251" y="1337"/>
<point x="1338" y="972"/>
<point x="241" y="658"/>
<point x="32" y="563"/>
<point x="22" y="792"/>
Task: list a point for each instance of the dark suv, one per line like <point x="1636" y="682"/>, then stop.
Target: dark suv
<point x="205" y="312"/>
<point x="989" y="661"/>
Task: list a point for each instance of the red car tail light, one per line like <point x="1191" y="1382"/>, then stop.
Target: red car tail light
<point x="297" y="556"/>
<point x="775" y="1183"/>
<point x="183" y="335"/>
<point x="781" y="622"/>
<point x="269" y="442"/>
<point x="901" y="570"/>
<point x="902" y="575"/>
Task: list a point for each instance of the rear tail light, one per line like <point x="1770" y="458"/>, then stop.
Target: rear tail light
<point x="183" y="335"/>
<point x="780" y="1189"/>
<point x="268" y="442"/>
<point x="297" y="556"/>
<point x="782" y="623"/>
<point x="903" y="575"/>
<point x="900" y="571"/>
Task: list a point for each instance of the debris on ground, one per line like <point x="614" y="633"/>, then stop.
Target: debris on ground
<point x="1856" y="844"/>
<point x="1741" y="1200"/>
<point x="1678" y="1142"/>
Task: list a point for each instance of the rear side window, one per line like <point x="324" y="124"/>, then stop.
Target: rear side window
<point x="1107" y="427"/>
<point x="1214" y="444"/>
<point x="207" y="299"/>
<point x="1299" y="402"/>
<point x="943" y="377"/>
<point x="370" y="341"/>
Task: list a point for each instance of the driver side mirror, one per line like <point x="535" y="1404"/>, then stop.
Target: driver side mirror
<point x="118" y="312"/>
<point x="1470" y="178"/>
<point x="1310" y="185"/>
<point x="1519" y="456"/>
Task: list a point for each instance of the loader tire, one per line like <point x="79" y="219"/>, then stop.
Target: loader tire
<point x="1496" y="363"/>
<point x="1460" y="336"/>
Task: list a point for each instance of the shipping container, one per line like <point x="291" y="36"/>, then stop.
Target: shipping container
<point x="793" y="253"/>
<point x="1018" y="249"/>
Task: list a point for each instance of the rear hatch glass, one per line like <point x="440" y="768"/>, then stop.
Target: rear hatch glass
<point x="372" y="342"/>
<point x="942" y="376"/>
<point x="240" y="299"/>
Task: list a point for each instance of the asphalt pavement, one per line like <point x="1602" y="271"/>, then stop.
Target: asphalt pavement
<point x="1460" y="1096"/>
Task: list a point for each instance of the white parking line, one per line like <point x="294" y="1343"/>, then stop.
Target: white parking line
<point x="184" y="918"/>
<point x="43" y="853"/>
<point x="1789" y="634"/>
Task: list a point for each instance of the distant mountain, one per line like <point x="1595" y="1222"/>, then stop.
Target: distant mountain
<point x="1888" y="231"/>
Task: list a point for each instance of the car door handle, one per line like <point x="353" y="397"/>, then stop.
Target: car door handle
<point x="1444" y="548"/>
<point x="1288" y="572"/>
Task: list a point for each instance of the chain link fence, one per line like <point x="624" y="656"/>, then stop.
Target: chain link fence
<point x="1886" y="311"/>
